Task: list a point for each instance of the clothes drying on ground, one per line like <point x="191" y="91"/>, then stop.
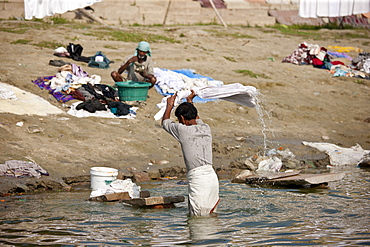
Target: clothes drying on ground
<point x="21" y="169"/>
<point x="319" y="57"/>
<point x="72" y="82"/>
<point x="341" y="70"/>
<point x="306" y="54"/>
<point x="119" y="108"/>
<point x="339" y="54"/>
<point x="362" y="62"/>
<point x="108" y="113"/>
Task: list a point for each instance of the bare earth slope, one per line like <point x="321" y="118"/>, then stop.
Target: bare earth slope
<point x="304" y="103"/>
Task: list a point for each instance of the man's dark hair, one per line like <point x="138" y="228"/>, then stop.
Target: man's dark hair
<point x="187" y="110"/>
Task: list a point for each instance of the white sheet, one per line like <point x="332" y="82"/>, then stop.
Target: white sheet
<point x="339" y="156"/>
<point x="235" y="92"/>
<point x="42" y="8"/>
<point x="332" y="8"/>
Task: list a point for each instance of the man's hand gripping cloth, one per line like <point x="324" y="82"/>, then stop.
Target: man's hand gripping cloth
<point x="203" y="190"/>
<point x="235" y="92"/>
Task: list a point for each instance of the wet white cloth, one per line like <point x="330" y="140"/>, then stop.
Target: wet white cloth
<point x="118" y="186"/>
<point x="340" y="156"/>
<point x="42" y="8"/>
<point x="203" y="190"/>
<point x="332" y="8"/>
<point x="235" y="92"/>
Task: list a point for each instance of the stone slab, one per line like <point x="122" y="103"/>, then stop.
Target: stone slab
<point x="290" y="17"/>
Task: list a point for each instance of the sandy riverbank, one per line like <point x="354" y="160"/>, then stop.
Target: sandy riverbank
<point x="305" y="103"/>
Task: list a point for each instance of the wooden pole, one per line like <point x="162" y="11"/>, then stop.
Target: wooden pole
<point x="168" y="9"/>
<point x="218" y="15"/>
<point x="92" y="17"/>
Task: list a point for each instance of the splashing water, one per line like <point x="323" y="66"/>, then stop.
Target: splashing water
<point x="265" y="119"/>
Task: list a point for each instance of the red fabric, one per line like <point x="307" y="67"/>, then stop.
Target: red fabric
<point x="337" y="62"/>
<point x="317" y="62"/>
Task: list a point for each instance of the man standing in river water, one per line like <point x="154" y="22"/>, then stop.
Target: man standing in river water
<point x="196" y="144"/>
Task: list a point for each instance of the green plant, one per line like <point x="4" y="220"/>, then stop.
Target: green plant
<point x="234" y="35"/>
<point x="231" y="59"/>
<point x="206" y="24"/>
<point x="115" y="35"/>
<point x="48" y="44"/>
<point x="110" y="47"/>
<point x="12" y="30"/>
<point x="59" y="20"/>
<point x="249" y="73"/>
<point x="75" y="38"/>
<point x="21" y="41"/>
<point x="359" y="82"/>
<point x="305" y="31"/>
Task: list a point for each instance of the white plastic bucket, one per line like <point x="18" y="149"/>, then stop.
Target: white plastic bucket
<point x="102" y="176"/>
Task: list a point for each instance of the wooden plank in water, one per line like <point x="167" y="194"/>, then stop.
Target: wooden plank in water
<point x="301" y="180"/>
<point x="153" y="201"/>
<point x="118" y="196"/>
<point x="270" y="175"/>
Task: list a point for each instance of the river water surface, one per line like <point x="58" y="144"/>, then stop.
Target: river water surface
<point x="248" y="216"/>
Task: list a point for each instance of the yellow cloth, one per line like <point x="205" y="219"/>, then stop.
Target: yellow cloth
<point x="344" y="49"/>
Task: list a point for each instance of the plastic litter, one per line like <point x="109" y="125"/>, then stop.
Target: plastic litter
<point x="272" y="164"/>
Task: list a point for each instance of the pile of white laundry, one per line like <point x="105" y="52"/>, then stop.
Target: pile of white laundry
<point x="118" y="186"/>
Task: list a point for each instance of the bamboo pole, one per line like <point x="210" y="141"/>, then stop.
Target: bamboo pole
<point x="168" y="9"/>
<point x="218" y="15"/>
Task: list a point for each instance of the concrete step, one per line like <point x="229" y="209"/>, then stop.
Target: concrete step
<point x="150" y="12"/>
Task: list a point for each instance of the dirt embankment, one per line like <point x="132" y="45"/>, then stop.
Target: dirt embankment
<point x="302" y="103"/>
